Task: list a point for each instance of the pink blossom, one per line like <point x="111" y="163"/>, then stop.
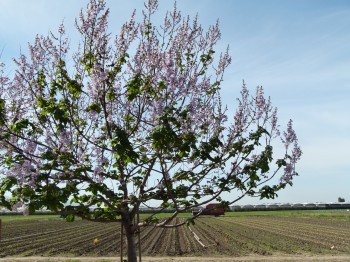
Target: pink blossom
<point x="289" y="135"/>
<point x="132" y="109"/>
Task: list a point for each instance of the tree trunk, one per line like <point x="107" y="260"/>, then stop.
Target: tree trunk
<point x="131" y="246"/>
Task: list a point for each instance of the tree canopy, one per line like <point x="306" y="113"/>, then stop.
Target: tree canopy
<point x="134" y="119"/>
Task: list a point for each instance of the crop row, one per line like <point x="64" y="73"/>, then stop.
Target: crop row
<point x="271" y="235"/>
<point x="325" y="235"/>
<point x="234" y="236"/>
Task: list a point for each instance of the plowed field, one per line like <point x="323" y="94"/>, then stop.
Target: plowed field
<point x="224" y="236"/>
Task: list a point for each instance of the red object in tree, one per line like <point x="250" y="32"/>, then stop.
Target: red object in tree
<point x="211" y="209"/>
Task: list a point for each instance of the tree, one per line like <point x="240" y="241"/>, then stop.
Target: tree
<point x="135" y="121"/>
<point x="341" y="200"/>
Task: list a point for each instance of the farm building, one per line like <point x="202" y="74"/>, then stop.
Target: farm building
<point x="287" y="206"/>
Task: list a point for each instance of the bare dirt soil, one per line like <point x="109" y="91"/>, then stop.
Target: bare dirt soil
<point x="232" y="237"/>
<point x="184" y="259"/>
<point x="223" y="239"/>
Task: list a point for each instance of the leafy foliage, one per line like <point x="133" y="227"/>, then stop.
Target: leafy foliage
<point x="119" y="128"/>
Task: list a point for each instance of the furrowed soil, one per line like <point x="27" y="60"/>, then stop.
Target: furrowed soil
<point x="184" y="259"/>
<point x="239" y="238"/>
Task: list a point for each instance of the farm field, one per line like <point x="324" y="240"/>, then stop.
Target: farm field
<point x="236" y="234"/>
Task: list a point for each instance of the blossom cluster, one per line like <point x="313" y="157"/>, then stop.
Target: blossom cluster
<point x="137" y="115"/>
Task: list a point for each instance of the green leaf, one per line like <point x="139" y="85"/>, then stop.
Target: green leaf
<point x="2" y="111"/>
<point x="268" y="192"/>
<point x="123" y="147"/>
<point x="96" y="107"/>
<point x="70" y="218"/>
<point x="134" y="87"/>
<point x="19" y="125"/>
<point x="281" y="162"/>
<point x="6" y="184"/>
<point x="74" y="88"/>
<point x="88" y="61"/>
<point x="48" y="155"/>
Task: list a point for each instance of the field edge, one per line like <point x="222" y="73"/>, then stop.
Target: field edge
<point x="185" y="259"/>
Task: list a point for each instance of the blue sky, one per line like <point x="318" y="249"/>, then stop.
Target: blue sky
<point x="298" y="50"/>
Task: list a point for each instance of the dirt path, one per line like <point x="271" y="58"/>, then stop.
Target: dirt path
<point x="180" y="259"/>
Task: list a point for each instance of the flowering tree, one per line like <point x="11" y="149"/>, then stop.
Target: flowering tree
<point x="134" y="120"/>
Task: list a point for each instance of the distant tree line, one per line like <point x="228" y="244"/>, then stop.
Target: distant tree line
<point x="341" y="200"/>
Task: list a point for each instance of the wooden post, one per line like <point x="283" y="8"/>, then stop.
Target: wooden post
<point x="139" y="232"/>
<point x="0" y="229"/>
